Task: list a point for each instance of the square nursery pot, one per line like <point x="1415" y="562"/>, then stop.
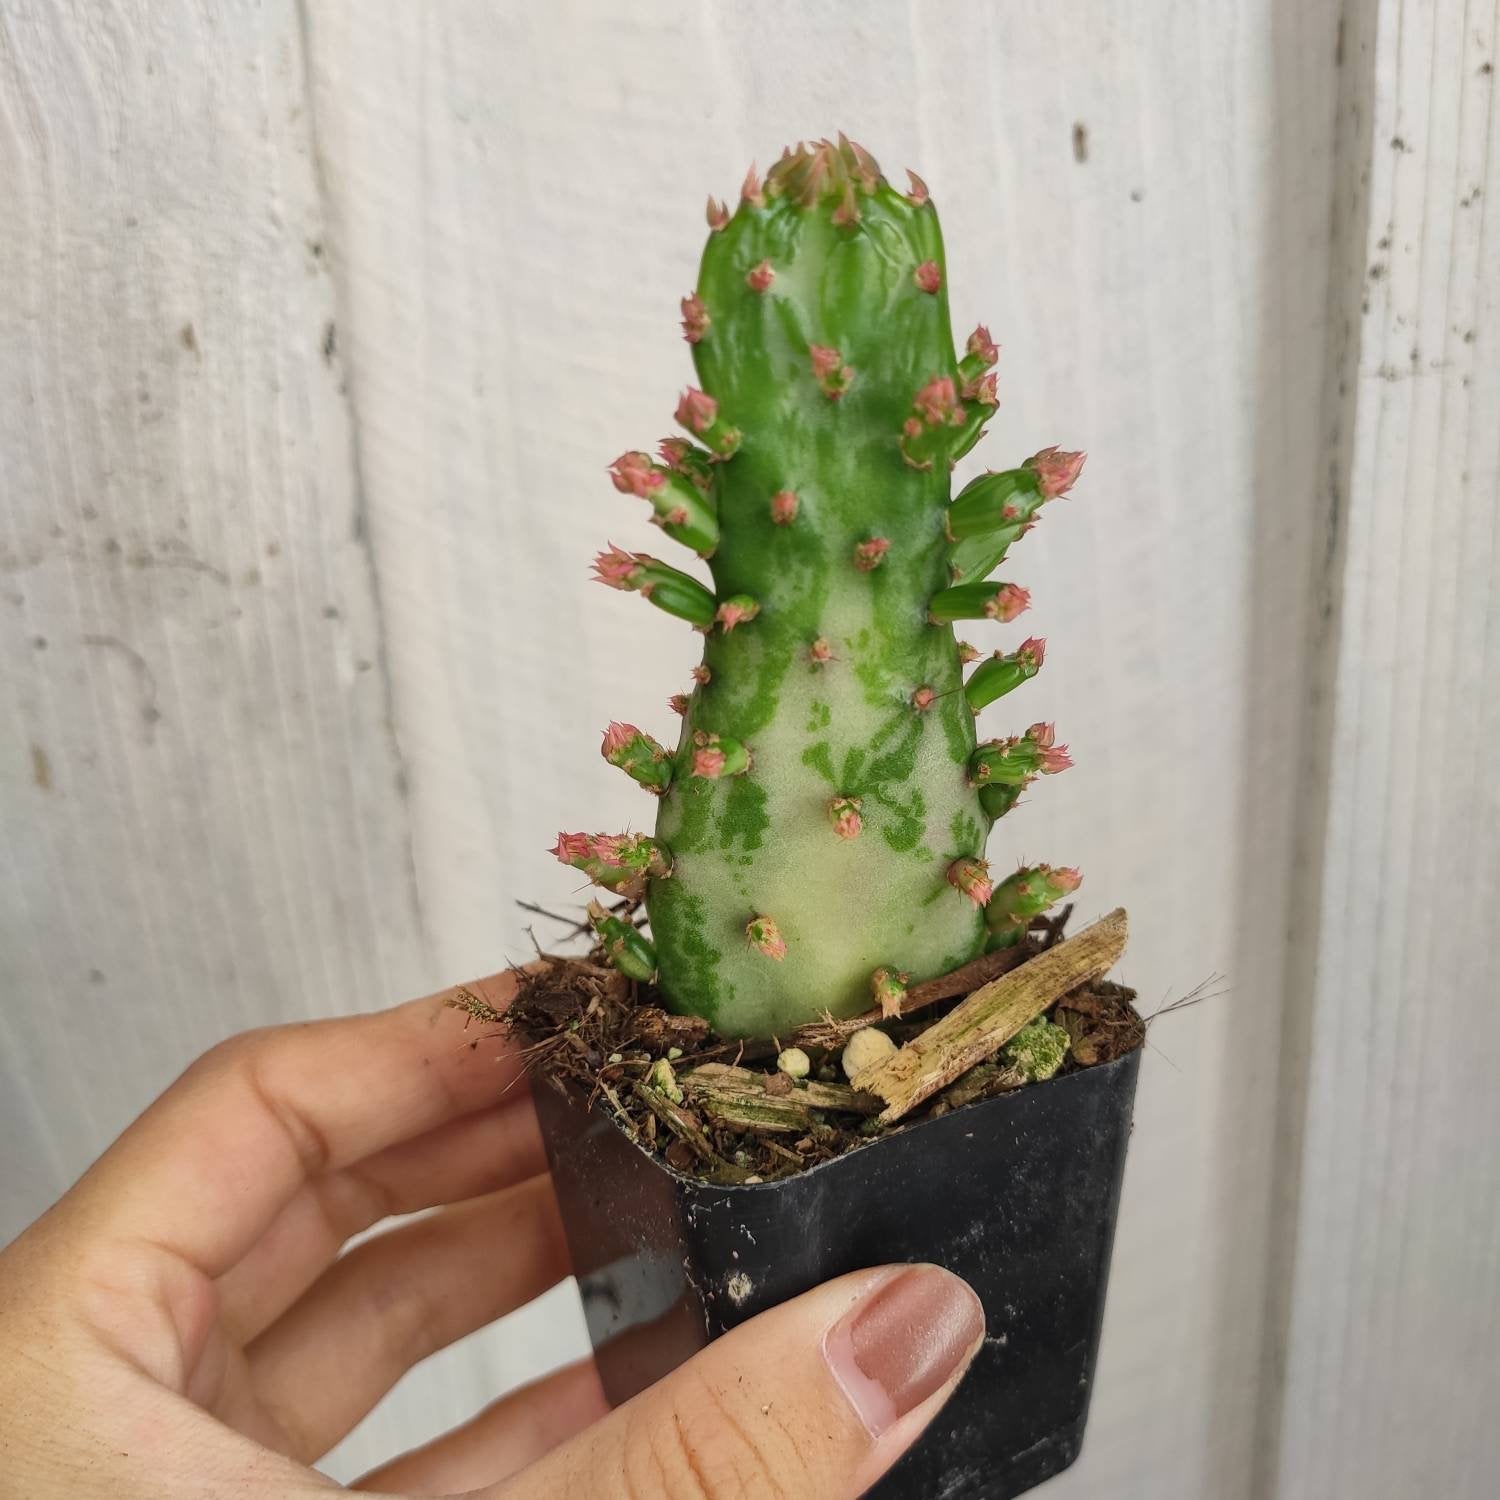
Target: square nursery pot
<point x="1018" y="1194"/>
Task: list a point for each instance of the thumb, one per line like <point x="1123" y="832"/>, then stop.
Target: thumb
<point x="818" y="1396"/>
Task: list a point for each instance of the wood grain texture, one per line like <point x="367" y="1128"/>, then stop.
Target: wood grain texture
<point x="1389" y="1366"/>
<point x="205" y="827"/>
<point x="205" y="804"/>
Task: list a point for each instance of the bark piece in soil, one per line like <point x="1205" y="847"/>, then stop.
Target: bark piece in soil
<point x="981" y="1024"/>
<point x="585" y="1028"/>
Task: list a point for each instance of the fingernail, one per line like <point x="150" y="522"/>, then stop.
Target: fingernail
<point x="905" y="1339"/>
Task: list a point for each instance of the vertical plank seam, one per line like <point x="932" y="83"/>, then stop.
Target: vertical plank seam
<point x="1396" y="1143"/>
<point x="1353" y="144"/>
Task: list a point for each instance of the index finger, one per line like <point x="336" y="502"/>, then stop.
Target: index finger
<point x="209" y="1164"/>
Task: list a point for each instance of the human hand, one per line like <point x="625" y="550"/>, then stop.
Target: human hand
<point x="182" y="1323"/>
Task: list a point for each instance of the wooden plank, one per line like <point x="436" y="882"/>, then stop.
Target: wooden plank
<point x="1387" y="1388"/>
<point x="204" y="826"/>
<point x="205" y="800"/>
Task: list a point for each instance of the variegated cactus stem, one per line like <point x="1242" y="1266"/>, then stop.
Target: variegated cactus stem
<point x="822" y="821"/>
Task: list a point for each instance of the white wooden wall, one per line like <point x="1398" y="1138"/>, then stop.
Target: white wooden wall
<point x="318" y="323"/>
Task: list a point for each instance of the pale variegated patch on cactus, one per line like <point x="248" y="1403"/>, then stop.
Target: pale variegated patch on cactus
<point x="821" y="824"/>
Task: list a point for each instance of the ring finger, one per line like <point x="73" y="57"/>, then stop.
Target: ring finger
<point x="394" y="1300"/>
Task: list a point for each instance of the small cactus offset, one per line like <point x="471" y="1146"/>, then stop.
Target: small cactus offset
<point x="821" y="824"/>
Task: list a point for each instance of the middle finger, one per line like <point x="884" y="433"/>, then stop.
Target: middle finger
<point x="480" y="1153"/>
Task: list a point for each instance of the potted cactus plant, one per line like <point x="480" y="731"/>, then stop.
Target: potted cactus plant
<point x="829" y="962"/>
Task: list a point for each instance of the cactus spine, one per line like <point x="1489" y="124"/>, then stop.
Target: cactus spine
<point x="821" y="825"/>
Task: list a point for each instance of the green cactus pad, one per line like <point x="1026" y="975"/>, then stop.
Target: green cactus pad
<point x="1020" y="897"/>
<point x="632" y="953"/>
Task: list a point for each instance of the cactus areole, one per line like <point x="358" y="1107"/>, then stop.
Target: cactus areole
<point x="825" y="813"/>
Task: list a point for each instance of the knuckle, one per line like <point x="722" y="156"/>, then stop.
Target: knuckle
<point x="307" y="1142"/>
<point x="250" y="1061"/>
<point x="228" y="1055"/>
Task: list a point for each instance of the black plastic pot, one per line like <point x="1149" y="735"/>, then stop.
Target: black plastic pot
<point x="1017" y="1194"/>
